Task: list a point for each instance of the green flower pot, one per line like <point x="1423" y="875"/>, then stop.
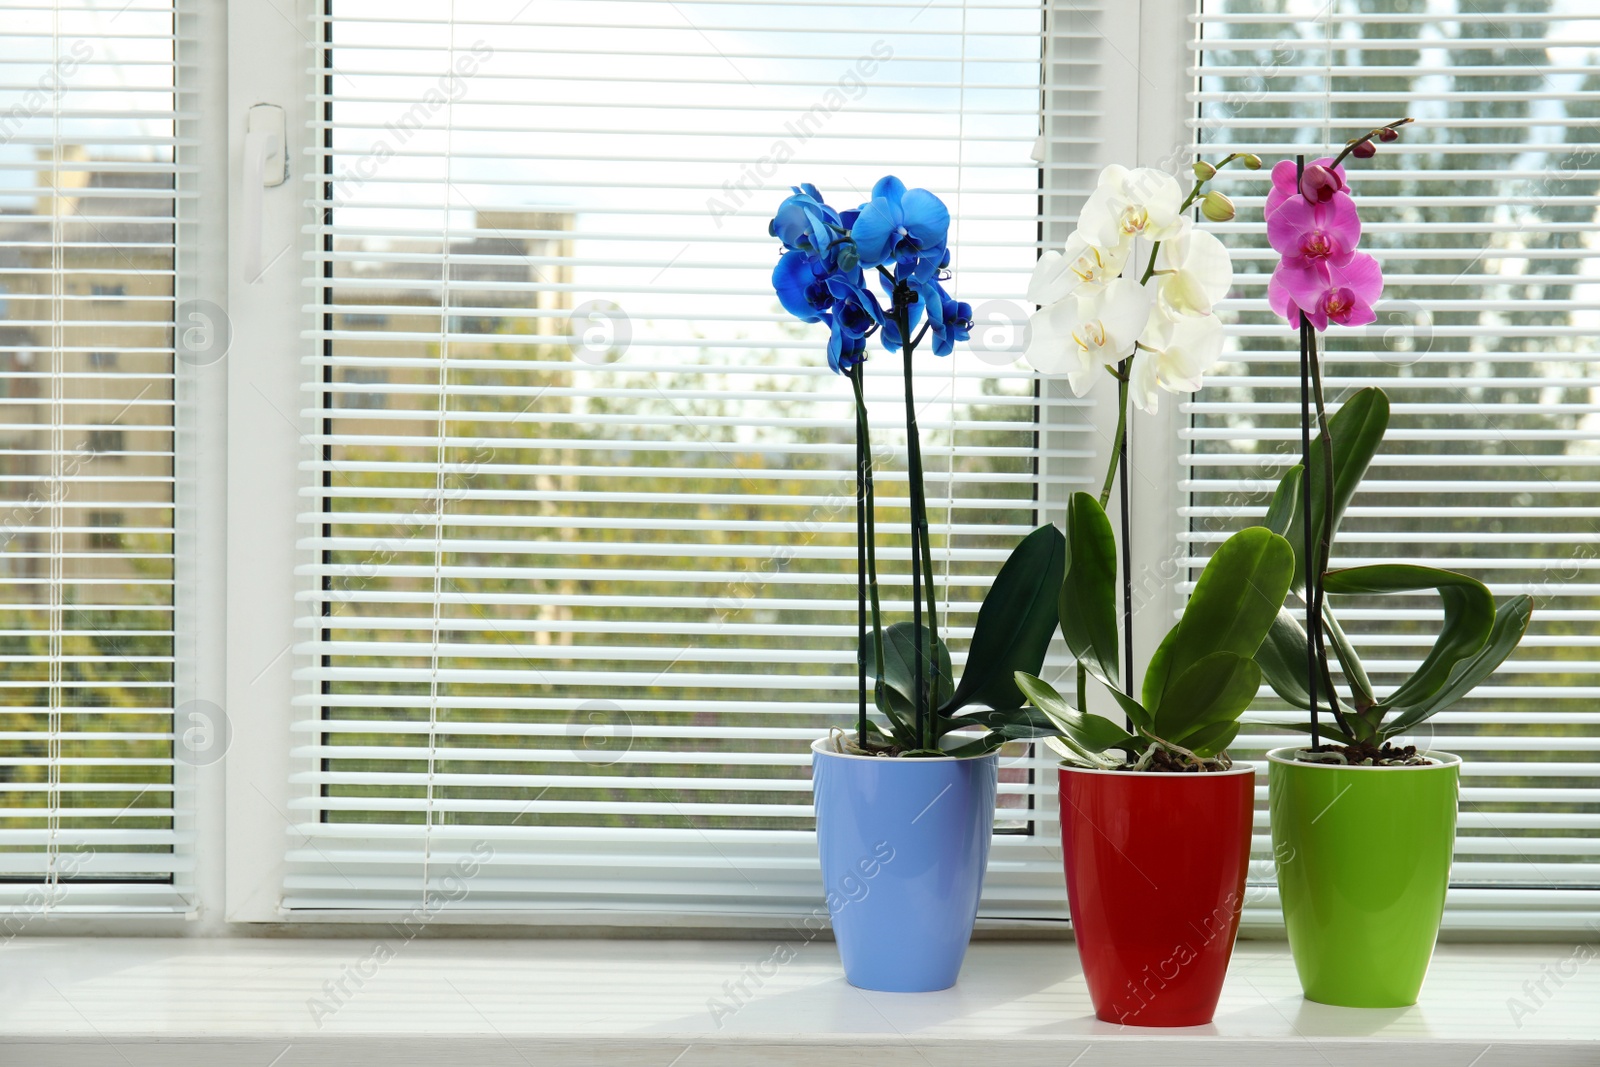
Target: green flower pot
<point x="1363" y="857"/>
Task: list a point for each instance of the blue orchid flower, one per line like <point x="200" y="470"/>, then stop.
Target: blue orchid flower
<point x="906" y="228"/>
<point x="820" y="278"/>
<point x="852" y="286"/>
<point x="950" y="320"/>
<point x="855" y="313"/>
<point x="801" y="281"/>
<point x="804" y="223"/>
<point x="847" y="341"/>
<point x="891" y="329"/>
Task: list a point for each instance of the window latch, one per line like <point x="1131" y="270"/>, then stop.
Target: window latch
<point x="266" y="166"/>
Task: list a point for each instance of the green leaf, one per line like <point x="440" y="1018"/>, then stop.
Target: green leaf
<point x="1055" y="744"/>
<point x="1238" y="596"/>
<point x="1014" y="724"/>
<point x="899" y="695"/>
<point x="1469" y="616"/>
<point x="1143" y="721"/>
<point x="1328" y="730"/>
<point x="902" y="730"/>
<point x="1159" y="661"/>
<point x="1087" y="606"/>
<point x="1285" y="502"/>
<point x="1282" y="659"/>
<point x="1211" y="740"/>
<point x="1216" y="689"/>
<point x="1510" y="623"/>
<point x="1015" y="623"/>
<point x="1018" y="723"/>
<point x="978" y="746"/>
<point x="1357" y="430"/>
<point x="1355" y="672"/>
<point x="1088" y="735"/>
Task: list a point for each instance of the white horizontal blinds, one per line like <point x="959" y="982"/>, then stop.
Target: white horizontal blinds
<point x="579" y="575"/>
<point x="1483" y="218"/>
<point x="1081" y="131"/>
<point x="87" y="194"/>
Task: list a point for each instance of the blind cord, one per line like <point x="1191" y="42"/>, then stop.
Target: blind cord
<point x="439" y="472"/>
<point x="58" y="487"/>
<point x="950" y="459"/>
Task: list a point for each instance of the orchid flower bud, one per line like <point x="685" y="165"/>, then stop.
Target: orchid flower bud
<point x="1204" y="171"/>
<point x="1364" y="150"/>
<point x="1319" y="184"/>
<point x="1386" y="135"/>
<point x="1251" y="161"/>
<point x="1216" y="207"/>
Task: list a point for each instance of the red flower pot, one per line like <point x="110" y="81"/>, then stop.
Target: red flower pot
<point x="1156" y="865"/>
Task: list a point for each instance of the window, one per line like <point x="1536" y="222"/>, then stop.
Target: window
<point x="1483" y="217"/>
<point x="89" y="819"/>
<point x="538" y="509"/>
<point x="580" y="585"/>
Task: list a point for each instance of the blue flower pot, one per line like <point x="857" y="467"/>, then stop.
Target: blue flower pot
<point x="904" y="844"/>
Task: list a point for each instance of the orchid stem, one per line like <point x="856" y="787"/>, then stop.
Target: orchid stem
<point x="920" y="717"/>
<point x="1313" y="575"/>
<point x="1353" y="145"/>
<point x="861" y="568"/>
<point x="1119" y="440"/>
<point x="921" y="553"/>
<point x="1127" y="542"/>
<point x="1119" y="462"/>
<point x="872" y="541"/>
<point x="1324" y="534"/>
<point x="867" y="554"/>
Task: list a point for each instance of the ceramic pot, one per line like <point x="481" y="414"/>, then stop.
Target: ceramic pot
<point x="1363" y="857"/>
<point x="904" y="844"/>
<point x="1156" y="866"/>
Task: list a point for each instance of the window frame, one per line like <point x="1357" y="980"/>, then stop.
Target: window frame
<point x="246" y="496"/>
<point x="267" y="52"/>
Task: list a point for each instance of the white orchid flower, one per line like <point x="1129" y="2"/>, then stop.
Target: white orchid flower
<point x="1079" y="335"/>
<point x="1131" y="203"/>
<point x="1193" y="271"/>
<point x="1082" y="268"/>
<point x="1174" y="355"/>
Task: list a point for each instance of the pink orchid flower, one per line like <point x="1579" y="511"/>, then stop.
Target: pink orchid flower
<point x="1307" y="234"/>
<point x="1286" y="181"/>
<point x="1327" y="293"/>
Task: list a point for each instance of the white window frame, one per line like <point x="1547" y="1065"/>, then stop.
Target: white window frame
<point x="269" y="51"/>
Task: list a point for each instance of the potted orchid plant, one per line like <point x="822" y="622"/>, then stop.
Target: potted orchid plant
<point x="907" y="800"/>
<point x="1155" y="818"/>
<point x="1363" y="829"/>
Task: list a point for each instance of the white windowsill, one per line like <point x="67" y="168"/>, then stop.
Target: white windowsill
<point x="181" y="1002"/>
